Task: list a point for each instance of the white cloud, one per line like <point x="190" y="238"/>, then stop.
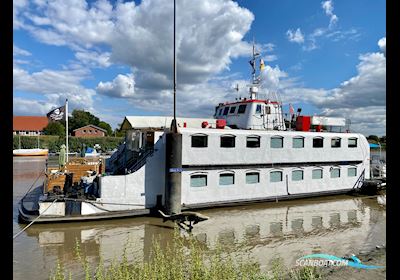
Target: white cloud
<point x="382" y="45"/>
<point x="19" y="51"/>
<point x="328" y="8"/>
<point x="121" y="86"/>
<point x="93" y="58"/>
<point x="27" y="107"/>
<point x="55" y="86"/>
<point x="295" y="36"/>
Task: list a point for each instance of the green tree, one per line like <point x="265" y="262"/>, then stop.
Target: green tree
<point x="373" y="138"/>
<point x="81" y="118"/>
<point x="106" y="126"/>
<point x="54" y="128"/>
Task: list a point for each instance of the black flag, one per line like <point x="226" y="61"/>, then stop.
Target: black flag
<point x="253" y="66"/>
<point x="57" y="114"/>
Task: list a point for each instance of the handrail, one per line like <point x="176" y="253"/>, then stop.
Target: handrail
<point x="141" y="161"/>
<point x="359" y="180"/>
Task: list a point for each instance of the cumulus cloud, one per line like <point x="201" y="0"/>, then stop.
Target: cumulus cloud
<point x="18" y="51"/>
<point x="121" y="86"/>
<point x="55" y="86"/>
<point x="295" y="36"/>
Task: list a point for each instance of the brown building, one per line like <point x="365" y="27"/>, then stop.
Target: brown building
<point x="89" y="131"/>
<point x="29" y="125"/>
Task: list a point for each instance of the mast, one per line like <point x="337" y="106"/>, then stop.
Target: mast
<point x="174" y="125"/>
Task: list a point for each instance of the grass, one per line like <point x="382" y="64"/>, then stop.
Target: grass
<point x="178" y="261"/>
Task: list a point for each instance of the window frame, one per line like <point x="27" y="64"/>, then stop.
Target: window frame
<point x="336" y="138"/>
<point x="351" y="168"/>
<point x="226" y="111"/>
<point x="200" y="175"/>
<point x="258" y="112"/>
<point x="332" y="169"/>
<point x="352" y="146"/>
<point x="318" y="138"/>
<point x="302" y="174"/>
<point x="199" y="135"/>
<point x="227" y="136"/>
<point x="298" y="138"/>
<point x="226" y="174"/>
<point x="240" y="108"/>
<point x="317" y="169"/>
<point x="253" y="136"/>
<point x="252" y="173"/>
<point x="275" y="171"/>
<point x="230" y="110"/>
<point x="275" y="138"/>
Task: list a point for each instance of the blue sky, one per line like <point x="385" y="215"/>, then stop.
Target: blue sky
<point x="115" y="58"/>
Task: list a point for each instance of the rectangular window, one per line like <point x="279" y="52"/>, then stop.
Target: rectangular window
<point x="232" y="110"/>
<point x="253" y="142"/>
<point x="297" y="175"/>
<point x="352" y="172"/>
<point x="252" y="178"/>
<point x="317" y="174"/>
<point x="220" y="112"/>
<point x="318" y="142"/>
<point x="226" y="110"/>
<point x="335" y="173"/>
<point x="275" y="176"/>
<point x="277" y="142"/>
<point x="335" y="143"/>
<point x="226" y="179"/>
<point x="352" y="142"/>
<point x="227" y="141"/>
<point x="242" y="109"/>
<point x="298" y="142"/>
<point x="199" y="141"/>
<point x="258" y="109"/>
<point x="198" y="180"/>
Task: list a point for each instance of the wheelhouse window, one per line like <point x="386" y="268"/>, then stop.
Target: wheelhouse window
<point x="297" y="175"/>
<point x="335" y="142"/>
<point x="298" y="142"/>
<point x="232" y="110"/>
<point x="253" y="142"/>
<point x="252" y="177"/>
<point x="352" y="171"/>
<point x="335" y="172"/>
<point x="227" y="141"/>
<point x="226" y="110"/>
<point x="199" y="141"/>
<point x="318" y="142"/>
<point x="220" y="112"/>
<point x="198" y="180"/>
<point x="275" y="176"/>
<point x="317" y="174"/>
<point x="226" y="179"/>
<point x="352" y="143"/>
<point x="242" y="108"/>
<point x="277" y="142"/>
<point x="258" y="109"/>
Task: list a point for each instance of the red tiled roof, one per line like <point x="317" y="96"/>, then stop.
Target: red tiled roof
<point x="29" y="123"/>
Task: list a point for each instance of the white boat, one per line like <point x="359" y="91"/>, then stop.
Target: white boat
<point x="247" y="154"/>
<point x="30" y="152"/>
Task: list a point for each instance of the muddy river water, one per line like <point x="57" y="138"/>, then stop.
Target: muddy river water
<point x="336" y="225"/>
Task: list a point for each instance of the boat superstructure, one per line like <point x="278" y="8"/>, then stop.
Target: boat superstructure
<point x="248" y="153"/>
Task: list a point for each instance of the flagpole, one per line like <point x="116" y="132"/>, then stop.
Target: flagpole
<point x="66" y="127"/>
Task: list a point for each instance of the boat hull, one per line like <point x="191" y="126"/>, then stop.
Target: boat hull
<point x="26" y="217"/>
<point x="30" y="152"/>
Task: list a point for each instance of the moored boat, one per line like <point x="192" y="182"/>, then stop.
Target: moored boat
<point x="30" y="152"/>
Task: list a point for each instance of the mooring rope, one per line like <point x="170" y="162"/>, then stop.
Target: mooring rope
<point x="33" y="184"/>
<point x="31" y="223"/>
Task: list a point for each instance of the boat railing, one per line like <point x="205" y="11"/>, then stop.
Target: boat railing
<point x="359" y="181"/>
<point x="140" y="161"/>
